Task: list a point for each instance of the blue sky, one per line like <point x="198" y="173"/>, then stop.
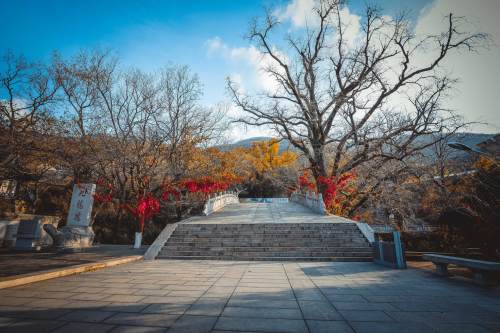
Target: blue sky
<point x="149" y="34"/>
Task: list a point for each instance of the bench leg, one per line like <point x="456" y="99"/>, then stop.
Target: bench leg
<point x="484" y="278"/>
<point x="442" y="269"/>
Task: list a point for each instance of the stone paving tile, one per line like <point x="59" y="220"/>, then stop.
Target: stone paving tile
<point x="32" y="326"/>
<point x="379" y="298"/>
<point x="142" y="319"/>
<point x="171" y="308"/>
<point x="262" y="313"/>
<point x="123" y="298"/>
<point x="54" y="294"/>
<point x="261" y="325"/>
<point x="251" y="297"/>
<point x="462" y="328"/>
<point x="323" y="326"/>
<point x="168" y="299"/>
<point x="419" y="306"/>
<point x="319" y="310"/>
<point x="255" y="303"/>
<point x="217" y="331"/>
<point x="363" y="306"/>
<point x="207" y="307"/>
<point x="193" y="324"/>
<point x="38" y="313"/>
<point x="420" y="316"/>
<point x="48" y="303"/>
<point x="138" y="329"/>
<point x="125" y="307"/>
<point x="355" y="315"/>
<point x="14" y="300"/>
<point x="5" y="321"/>
<point x="151" y="292"/>
<point x="377" y="327"/>
<point x="84" y="328"/>
<point x="89" y="305"/>
<point x="90" y="290"/>
<point x="117" y="291"/>
<point x="346" y="298"/>
<point x="92" y="316"/>
<point x="186" y="293"/>
<point x="87" y="297"/>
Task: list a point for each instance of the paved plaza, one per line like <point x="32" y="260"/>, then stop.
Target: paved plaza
<point x="256" y="212"/>
<point x="14" y="262"/>
<point x="230" y="296"/>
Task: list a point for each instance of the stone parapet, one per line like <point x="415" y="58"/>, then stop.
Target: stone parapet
<point x="219" y="201"/>
<point x="312" y="200"/>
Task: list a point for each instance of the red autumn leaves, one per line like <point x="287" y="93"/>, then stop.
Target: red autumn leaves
<point x="147" y="206"/>
<point x="336" y="190"/>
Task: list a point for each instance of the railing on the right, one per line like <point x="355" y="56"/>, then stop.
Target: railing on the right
<point x="312" y="200"/>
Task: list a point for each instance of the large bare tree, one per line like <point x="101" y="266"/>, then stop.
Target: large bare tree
<point x="339" y="100"/>
<point x="26" y="91"/>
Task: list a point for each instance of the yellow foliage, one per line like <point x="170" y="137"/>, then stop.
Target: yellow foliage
<point x="265" y="157"/>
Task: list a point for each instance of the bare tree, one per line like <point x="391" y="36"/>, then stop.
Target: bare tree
<point x="27" y="89"/>
<point x="78" y="103"/>
<point x="184" y="121"/>
<point x="341" y="96"/>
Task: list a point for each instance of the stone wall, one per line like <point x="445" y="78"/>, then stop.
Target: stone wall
<point x="219" y="201"/>
<point x="311" y="200"/>
<point x="8" y="229"/>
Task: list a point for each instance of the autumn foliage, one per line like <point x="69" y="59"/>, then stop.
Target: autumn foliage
<point x="338" y="191"/>
<point x="145" y="209"/>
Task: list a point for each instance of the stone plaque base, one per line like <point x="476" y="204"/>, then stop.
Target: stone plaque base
<point x="71" y="238"/>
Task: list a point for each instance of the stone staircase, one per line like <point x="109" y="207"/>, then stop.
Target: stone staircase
<point x="271" y="241"/>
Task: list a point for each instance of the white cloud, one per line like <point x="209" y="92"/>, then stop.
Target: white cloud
<point x="476" y="94"/>
<point x="251" y="62"/>
<point x="352" y="26"/>
<point x="215" y="45"/>
<point x="300" y="12"/>
<point x="477" y="91"/>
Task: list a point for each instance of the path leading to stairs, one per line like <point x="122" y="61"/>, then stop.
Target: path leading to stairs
<point x="253" y="212"/>
<point x="237" y="296"/>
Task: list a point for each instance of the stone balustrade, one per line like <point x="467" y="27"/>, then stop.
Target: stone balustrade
<point x="311" y="200"/>
<point x="219" y="201"/>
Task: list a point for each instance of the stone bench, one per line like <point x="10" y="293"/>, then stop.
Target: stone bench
<point x="485" y="272"/>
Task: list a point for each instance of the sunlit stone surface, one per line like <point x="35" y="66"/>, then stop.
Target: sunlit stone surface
<point x="227" y="296"/>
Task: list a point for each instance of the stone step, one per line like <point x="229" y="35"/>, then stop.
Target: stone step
<point x="251" y="254"/>
<point x="264" y="242"/>
<point x="267" y="225"/>
<point x="267" y="235"/>
<point x="172" y="247"/>
<point x="266" y="229"/>
<point x="287" y="241"/>
<point x="340" y="259"/>
<point x="356" y="243"/>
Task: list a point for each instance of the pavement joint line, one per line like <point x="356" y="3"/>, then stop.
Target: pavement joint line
<point x="296" y="299"/>
<point x="199" y="297"/>
<point x="230" y="296"/>
<point x="331" y="303"/>
<point x="22" y="279"/>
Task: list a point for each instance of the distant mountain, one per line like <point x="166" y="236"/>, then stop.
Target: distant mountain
<point x="247" y="143"/>
<point x="468" y="139"/>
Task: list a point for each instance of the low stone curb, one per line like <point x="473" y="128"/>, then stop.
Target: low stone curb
<point x="21" y="279"/>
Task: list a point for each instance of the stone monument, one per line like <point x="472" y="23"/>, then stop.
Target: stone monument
<point x="77" y="233"/>
<point x="8" y="188"/>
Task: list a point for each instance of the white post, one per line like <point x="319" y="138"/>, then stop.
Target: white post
<point x="138" y="240"/>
